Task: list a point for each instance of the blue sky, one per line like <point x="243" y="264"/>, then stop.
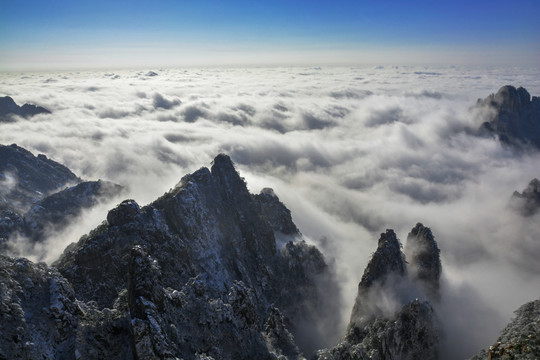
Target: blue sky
<point x="76" y="34"/>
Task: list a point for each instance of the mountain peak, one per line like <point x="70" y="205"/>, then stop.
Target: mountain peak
<point x="422" y="253"/>
<point x="510" y="97"/>
<point x="528" y="201"/>
<point x="514" y="117"/>
<point x="8" y="107"/>
<point x="387" y="259"/>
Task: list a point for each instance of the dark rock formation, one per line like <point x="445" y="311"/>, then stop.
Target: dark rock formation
<point x="31" y="202"/>
<point x="520" y="339"/>
<point x="386" y="265"/>
<point x="409" y="334"/>
<point x="387" y="260"/>
<point x="8" y="108"/>
<point x="275" y="212"/>
<point x="9" y="222"/>
<point x="528" y="201"/>
<point x="388" y="321"/>
<point x="203" y="273"/>
<point x="423" y="256"/>
<point x="26" y="178"/>
<point x="514" y="117"/>
<point x="57" y="210"/>
<point x="42" y="319"/>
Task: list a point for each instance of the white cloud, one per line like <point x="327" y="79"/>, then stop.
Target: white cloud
<point x="351" y="151"/>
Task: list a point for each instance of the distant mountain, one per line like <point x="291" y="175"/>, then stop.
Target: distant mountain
<point x="520" y="339"/>
<point x="528" y="201"/>
<point x="39" y="195"/>
<point x="513" y="116"/>
<point x="27" y="178"/>
<point x="8" y="107"/>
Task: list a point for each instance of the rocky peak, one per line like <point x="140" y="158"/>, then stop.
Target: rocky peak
<point x="57" y="210"/>
<point x="510" y="98"/>
<point x="27" y="178"/>
<point x="202" y="272"/>
<point x="528" y="201"/>
<point x="386" y="268"/>
<point x="275" y="212"/>
<point x="514" y="117"/>
<point x="387" y="259"/>
<point x="38" y="198"/>
<point x="387" y="321"/>
<point x="126" y="212"/>
<point x="8" y="107"/>
<point x="227" y="178"/>
<point x="423" y="256"/>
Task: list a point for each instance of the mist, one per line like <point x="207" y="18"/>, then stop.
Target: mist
<point x="350" y="151"/>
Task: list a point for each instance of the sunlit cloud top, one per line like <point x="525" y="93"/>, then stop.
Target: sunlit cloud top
<point x="71" y="34"/>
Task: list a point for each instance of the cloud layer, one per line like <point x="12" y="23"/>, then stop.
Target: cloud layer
<point x="351" y="151"/>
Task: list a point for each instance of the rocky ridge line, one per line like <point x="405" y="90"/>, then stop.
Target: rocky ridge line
<point x="8" y="108"/>
<point x="514" y="117"/>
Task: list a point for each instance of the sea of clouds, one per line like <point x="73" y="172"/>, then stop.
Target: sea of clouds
<point x="351" y="151"/>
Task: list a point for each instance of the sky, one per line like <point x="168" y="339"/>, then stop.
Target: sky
<point x="60" y="34"/>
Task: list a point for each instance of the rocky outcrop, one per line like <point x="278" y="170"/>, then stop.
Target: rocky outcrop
<point x="26" y="178"/>
<point x="423" y="256"/>
<point x="8" y="108"/>
<point x="57" y="210"/>
<point x="275" y="212"/>
<point x="388" y="320"/>
<point x="528" y="201"/>
<point x="520" y="339"/>
<point x="203" y="274"/>
<point x="409" y="334"/>
<point x="387" y="266"/>
<point x="514" y="117"/>
<point x="31" y="202"/>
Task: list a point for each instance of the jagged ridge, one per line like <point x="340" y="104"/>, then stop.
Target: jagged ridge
<point x="8" y="107"/>
<point x="514" y="118"/>
<point x="211" y="266"/>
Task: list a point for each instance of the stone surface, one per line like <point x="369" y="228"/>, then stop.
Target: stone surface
<point x="203" y="274"/>
<point x="520" y="339"/>
<point x="39" y="196"/>
<point x="528" y="201"/>
<point x="388" y="320"/>
<point x="275" y="212"/>
<point x="423" y="257"/>
<point x="409" y="334"/>
<point x="8" y="108"/>
<point x="26" y="178"/>
<point x="55" y="211"/>
<point x="514" y="117"/>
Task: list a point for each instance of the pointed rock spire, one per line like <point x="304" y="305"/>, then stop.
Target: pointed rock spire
<point x="423" y="256"/>
<point x="388" y="259"/>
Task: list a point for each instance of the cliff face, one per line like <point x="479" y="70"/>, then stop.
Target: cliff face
<point x="8" y="108"/>
<point x="528" y="201"/>
<point x="514" y="117"/>
<point x="197" y="272"/>
<point x="520" y="339"/>
<point x="393" y="317"/>
<point x="27" y="178"/>
<point x="39" y="195"/>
